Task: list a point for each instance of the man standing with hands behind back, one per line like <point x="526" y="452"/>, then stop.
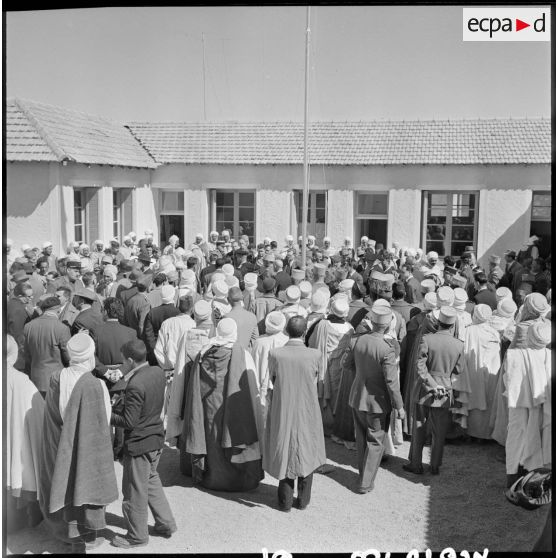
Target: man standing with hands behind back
<point x="375" y="391"/>
<point x="143" y="442"/>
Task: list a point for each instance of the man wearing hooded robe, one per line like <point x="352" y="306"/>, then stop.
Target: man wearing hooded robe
<point x="481" y="363"/>
<point x="222" y="416"/>
<point x="528" y="382"/>
<point x="77" y="479"/>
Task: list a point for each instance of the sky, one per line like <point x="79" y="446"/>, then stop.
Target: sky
<point x="367" y="63"/>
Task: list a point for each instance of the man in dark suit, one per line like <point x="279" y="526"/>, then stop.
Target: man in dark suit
<point x="399" y="304"/>
<point x="44" y="345"/>
<point x="484" y="294"/>
<point x="155" y="317"/>
<point x="356" y="277"/>
<point x="413" y="293"/>
<point x="68" y="311"/>
<point x="110" y="337"/>
<point x="440" y="357"/>
<point x="17" y="316"/>
<point x="375" y="391"/>
<point x="89" y="316"/>
<point x="126" y="293"/>
<point x="512" y="273"/>
<point x="137" y="307"/>
<point x="143" y="442"/>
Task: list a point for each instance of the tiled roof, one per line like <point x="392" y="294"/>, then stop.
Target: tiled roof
<point x="39" y="132"/>
<point x="451" y="142"/>
<point x="23" y="141"/>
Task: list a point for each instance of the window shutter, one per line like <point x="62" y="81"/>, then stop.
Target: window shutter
<point x="92" y="215"/>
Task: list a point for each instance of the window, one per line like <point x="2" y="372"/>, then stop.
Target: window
<point x="317" y="213"/>
<point x="115" y="213"/>
<point x="371" y="214"/>
<point x="541" y="222"/>
<point x="171" y="218"/>
<point x="449" y="221"/>
<point x="121" y="212"/>
<point x="541" y="208"/>
<point x="79" y="215"/>
<point x="236" y="211"/>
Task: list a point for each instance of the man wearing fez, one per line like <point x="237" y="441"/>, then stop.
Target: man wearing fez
<point x="374" y="393"/>
<point x="440" y="357"/>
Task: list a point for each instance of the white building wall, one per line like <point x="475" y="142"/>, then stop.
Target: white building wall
<point x="32" y="215"/>
<point x="40" y="198"/>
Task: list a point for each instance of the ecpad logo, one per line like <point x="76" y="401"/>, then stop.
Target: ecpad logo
<point x="506" y="24"/>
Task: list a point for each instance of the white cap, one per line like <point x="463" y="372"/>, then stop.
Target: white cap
<point x="432" y="255"/>
<point x="220" y="289"/>
<point x="327" y="239"/>
<point x="25" y="247"/>
<point x="213" y="232"/>
<point x="364" y="239"/>
<point x="311" y="237"/>
<point x="132" y="234"/>
<point x="460" y="298"/>
<point x="228" y="269"/>
<point x="319" y="301"/>
<point x="47" y="244"/>
<point x="346" y="285"/>
<point x="340" y="307"/>
<point x="148" y="232"/>
<point x="99" y="241"/>
<point x="167" y="294"/>
<point x="289" y="238"/>
<point x="305" y="289"/>
<point x="250" y="280"/>
<point x="199" y="235"/>
<point x="292" y="294"/>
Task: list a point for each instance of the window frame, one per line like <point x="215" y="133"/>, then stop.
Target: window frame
<point x="448" y="223"/>
<point x="83" y="213"/>
<point x="235" y="233"/>
<point x="541" y="193"/>
<point x="117" y="204"/>
<point x="311" y="224"/>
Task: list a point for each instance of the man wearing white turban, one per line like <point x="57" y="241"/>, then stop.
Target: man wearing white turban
<point x="77" y="478"/>
<point x="274" y="337"/>
<point x="222" y="416"/>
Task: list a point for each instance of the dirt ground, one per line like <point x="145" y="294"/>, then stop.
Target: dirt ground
<point x="463" y="508"/>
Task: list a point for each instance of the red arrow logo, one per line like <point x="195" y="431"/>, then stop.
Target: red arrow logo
<point x="519" y="25"/>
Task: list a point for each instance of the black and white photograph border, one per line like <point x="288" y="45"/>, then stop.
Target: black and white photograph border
<point x="380" y="121"/>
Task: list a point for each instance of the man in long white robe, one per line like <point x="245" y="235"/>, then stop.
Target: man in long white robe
<point x="274" y="337"/>
<point x="529" y="393"/>
<point x="481" y="365"/>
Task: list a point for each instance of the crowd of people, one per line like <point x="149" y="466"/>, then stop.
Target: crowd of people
<point x="244" y="356"/>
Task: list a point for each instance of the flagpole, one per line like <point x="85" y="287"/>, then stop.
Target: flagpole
<point x="305" y="190"/>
